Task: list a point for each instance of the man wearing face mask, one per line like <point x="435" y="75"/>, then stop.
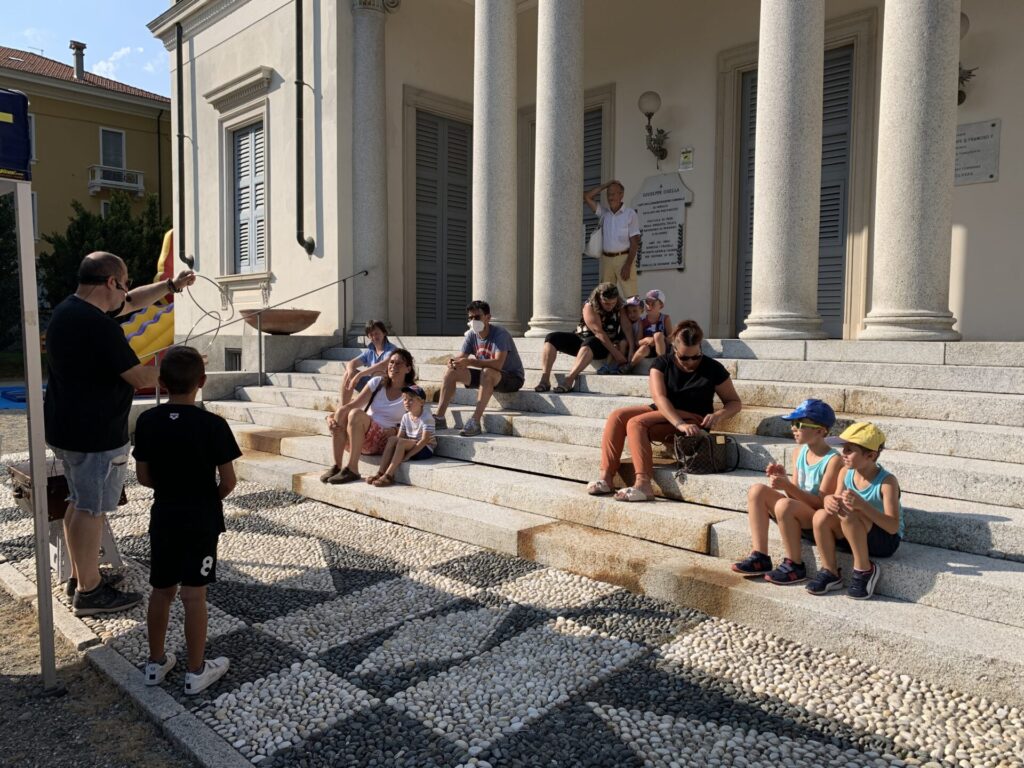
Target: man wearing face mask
<point x="488" y="361"/>
<point x="93" y="375"/>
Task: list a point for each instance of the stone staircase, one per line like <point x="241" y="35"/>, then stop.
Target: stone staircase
<point x="950" y="604"/>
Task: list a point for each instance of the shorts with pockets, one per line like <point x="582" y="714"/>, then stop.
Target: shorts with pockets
<point x="95" y="480"/>
<point x="182" y="556"/>
<point x="507" y="383"/>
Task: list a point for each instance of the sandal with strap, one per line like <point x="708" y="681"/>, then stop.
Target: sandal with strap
<point x="565" y="387"/>
<point x="374" y="479"/>
<point x="384" y="481"/>
<point x="345" y="476"/>
<point x="544" y="386"/>
<point x="599" y="488"/>
<point x="632" y="494"/>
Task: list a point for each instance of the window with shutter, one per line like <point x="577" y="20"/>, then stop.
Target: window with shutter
<point x="835" y="179"/>
<point x="249" y="169"/>
<point x="444" y="151"/>
<point x="593" y="125"/>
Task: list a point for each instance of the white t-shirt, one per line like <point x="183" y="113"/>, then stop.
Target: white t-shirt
<point x="387" y="413"/>
<point x="415" y="427"/>
<point x="617" y="228"/>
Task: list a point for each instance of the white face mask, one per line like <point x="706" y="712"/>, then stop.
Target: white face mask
<point x="476" y="326"/>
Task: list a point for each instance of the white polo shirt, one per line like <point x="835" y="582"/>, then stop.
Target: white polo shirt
<point x="617" y="228"/>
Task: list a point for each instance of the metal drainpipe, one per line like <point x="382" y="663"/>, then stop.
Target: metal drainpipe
<point x="306" y="242"/>
<point x="179" y="230"/>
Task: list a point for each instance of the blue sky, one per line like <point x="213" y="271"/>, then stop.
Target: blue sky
<point x="119" y="45"/>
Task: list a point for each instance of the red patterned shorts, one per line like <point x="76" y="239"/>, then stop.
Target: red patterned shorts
<point x="376" y="438"/>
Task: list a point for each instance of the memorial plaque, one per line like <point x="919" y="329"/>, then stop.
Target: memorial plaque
<point x="977" y="152"/>
<point x="661" y="205"/>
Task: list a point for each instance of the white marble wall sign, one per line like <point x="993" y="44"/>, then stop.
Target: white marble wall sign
<point x="977" y="152"/>
<point x="661" y="204"/>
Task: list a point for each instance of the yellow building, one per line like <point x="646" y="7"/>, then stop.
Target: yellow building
<point x="91" y="136"/>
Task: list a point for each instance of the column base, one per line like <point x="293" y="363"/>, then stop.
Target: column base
<point x="542" y="326"/>
<point x="512" y="326"/>
<point x="909" y="326"/>
<point x="783" y="326"/>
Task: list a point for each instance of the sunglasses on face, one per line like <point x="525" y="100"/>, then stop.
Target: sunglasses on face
<point x="805" y="425"/>
<point x="688" y="358"/>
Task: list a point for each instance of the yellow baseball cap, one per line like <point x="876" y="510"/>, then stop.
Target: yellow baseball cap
<point x="862" y="433"/>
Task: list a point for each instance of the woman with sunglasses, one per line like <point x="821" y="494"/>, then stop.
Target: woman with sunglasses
<point x="683" y="385"/>
<point x="604" y="331"/>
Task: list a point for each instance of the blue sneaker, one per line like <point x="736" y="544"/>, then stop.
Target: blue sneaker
<point x="787" y="573"/>
<point x="755" y="564"/>
<point x="605" y="369"/>
<point x="825" y="581"/>
<point x="862" y="585"/>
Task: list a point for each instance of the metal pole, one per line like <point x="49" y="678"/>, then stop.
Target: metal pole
<point x="259" y="347"/>
<point x="30" y="331"/>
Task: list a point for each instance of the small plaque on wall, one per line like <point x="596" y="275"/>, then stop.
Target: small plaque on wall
<point x="977" y="152"/>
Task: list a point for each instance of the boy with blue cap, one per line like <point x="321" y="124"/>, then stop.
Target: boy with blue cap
<point x="792" y="502"/>
<point x="863" y="517"/>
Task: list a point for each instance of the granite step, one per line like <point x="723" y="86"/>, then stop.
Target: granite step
<point x="911" y="636"/>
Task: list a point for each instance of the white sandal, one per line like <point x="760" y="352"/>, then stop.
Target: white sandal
<point x="599" y="488"/>
<point x="632" y="494"/>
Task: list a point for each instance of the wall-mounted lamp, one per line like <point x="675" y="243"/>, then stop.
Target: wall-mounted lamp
<point x="965" y="74"/>
<point x="649" y="103"/>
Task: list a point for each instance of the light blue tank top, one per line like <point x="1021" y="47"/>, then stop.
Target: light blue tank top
<point x="873" y="493"/>
<point x="808" y="476"/>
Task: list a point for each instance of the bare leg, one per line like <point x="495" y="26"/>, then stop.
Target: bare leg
<point x="194" y="599"/>
<point x="489" y="379"/>
<point x="157" y="616"/>
<point x="358" y="424"/>
<point x="547" y="359"/>
<point x="339" y="441"/>
<point x="659" y="343"/>
<point x="68" y="515"/>
<point x="856" y="533"/>
<point x="826" y="528"/>
<point x="83" y="535"/>
<point x="346" y="393"/>
<point x="583" y="358"/>
<point x="402" y="450"/>
<point x="385" y="459"/>
<point x="452" y="376"/>
<point x="793" y="516"/>
<point x="761" y="499"/>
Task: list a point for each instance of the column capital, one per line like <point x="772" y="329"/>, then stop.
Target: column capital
<point x="381" y="6"/>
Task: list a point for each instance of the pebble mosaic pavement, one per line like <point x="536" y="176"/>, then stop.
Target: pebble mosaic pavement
<point x="357" y="642"/>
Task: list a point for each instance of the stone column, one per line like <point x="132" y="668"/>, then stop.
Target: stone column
<point x="369" y="163"/>
<point x="787" y="172"/>
<point x="495" y="244"/>
<point x="914" y="187"/>
<point x="558" y="187"/>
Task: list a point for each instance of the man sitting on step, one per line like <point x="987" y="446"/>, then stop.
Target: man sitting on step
<point x="488" y="361"/>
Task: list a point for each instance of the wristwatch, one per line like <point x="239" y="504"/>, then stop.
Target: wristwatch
<point x="172" y="286"/>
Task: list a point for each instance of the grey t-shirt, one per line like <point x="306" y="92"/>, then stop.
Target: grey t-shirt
<point x="498" y="340"/>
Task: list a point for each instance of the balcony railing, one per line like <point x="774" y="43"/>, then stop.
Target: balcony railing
<point x="106" y="177"/>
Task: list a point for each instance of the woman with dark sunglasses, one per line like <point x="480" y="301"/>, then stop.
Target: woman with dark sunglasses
<point x="683" y="385"/>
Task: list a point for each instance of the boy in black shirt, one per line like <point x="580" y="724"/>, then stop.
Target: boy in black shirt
<point x="180" y="450"/>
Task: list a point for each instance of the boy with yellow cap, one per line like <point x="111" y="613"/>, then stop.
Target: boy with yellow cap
<point x="864" y="517"/>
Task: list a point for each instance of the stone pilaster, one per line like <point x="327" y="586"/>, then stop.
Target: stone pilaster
<point x="369" y="162"/>
<point x="787" y="172"/>
<point x="914" y="192"/>
<point x="494" y="160"/>
<point x="558" y="188"/>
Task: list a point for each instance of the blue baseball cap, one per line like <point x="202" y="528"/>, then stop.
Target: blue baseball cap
<point x="817" y="411"/>
<point x="416" y="390"/>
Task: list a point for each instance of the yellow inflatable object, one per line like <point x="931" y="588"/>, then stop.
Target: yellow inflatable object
<point x="149" y="330"/>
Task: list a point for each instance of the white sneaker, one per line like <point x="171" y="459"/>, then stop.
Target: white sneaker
<point x="213" y="670"/>
<point x="155" y="672"/>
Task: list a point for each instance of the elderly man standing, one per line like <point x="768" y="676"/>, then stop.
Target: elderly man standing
<point x="93" y="375"/>
<point x="620" y="235"/>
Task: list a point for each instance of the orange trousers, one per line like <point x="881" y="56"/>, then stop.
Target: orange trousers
<point x="641" y="426"/>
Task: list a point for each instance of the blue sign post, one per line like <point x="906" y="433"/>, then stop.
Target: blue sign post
<point x="15" y="137"/>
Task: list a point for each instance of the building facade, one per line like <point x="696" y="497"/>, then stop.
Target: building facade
<point x="446" y="145"/>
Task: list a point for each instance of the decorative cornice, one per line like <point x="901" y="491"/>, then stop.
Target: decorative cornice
<point x="381" y="6"/>
<point x="193" y="15"/>
<point x="242" y="89"/>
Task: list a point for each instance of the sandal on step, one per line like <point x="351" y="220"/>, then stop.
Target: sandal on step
<point x="544" y="386"/>
<point x="374" y="479"/>
<point x="599" y="488"/>
<point x="632" y="494"/>
<point x="565" y="388"/>
<point x="345" y="476"/>
<point x="384" y="481"/>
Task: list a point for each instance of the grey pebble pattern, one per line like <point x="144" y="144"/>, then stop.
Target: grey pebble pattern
<point x="355" y="642"/>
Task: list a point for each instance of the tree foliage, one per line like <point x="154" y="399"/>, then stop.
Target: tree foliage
<point x="10" y="301"/>
<point x="137" y="240"/>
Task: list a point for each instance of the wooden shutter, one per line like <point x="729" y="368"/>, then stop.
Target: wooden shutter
<point x="837" y="103"/>
<point x="250" y="199"/>
<point x="593" y="126"/>
<point x="443" y="224"/>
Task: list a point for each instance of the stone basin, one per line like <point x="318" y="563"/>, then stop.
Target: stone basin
<point x="282" y="322"/>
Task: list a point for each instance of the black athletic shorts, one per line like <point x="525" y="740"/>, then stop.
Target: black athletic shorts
<point x="184" y="557"/>
<point x="507" y="382"/>
<point x="570" y="344"/>
<point x="880" y="543"/>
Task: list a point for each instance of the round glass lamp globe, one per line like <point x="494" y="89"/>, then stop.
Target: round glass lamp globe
<point x="649" y="102"/>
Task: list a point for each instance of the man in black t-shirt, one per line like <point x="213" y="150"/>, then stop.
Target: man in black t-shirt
<point x="185" y="455"/>
<point x="93" y="374"/>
